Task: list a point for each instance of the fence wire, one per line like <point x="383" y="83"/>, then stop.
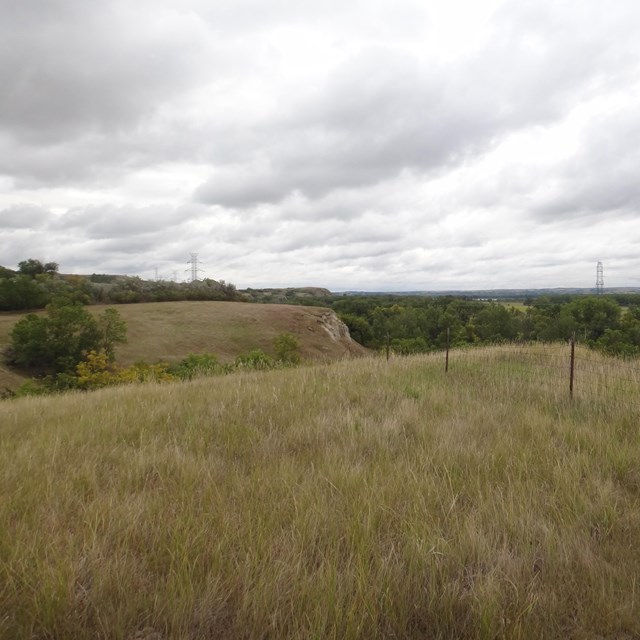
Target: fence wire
<point x="548" y="366"/>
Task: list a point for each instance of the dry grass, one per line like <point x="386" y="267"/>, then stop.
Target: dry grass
<point x="171" y="330"/>
<point x="355" y="500"/>
<point x="7" y="320"/>
<point x="9" y="380"/>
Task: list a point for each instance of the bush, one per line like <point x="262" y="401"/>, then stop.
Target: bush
<point x="193" y="366"/>
<point x="30" y="388"/>
<point x="286" y="347"/>
<point x="254" y="360"/>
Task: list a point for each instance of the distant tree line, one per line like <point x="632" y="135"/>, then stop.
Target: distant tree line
<point x="415" y="324"/>
<point x="35" y="284"/>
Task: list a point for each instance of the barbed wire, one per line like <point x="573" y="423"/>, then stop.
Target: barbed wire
<point x="549" y="365"/>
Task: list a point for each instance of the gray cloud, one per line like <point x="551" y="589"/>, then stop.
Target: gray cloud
<point x="118" y="222"/>
<point x="70" y="68"/>
<point x="385" y="110"/>
<point x="600" y="179"/>
<point x="22" y="217"/>
<point x="338" y="143"/>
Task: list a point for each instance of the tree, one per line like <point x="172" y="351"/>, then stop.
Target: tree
<point x="72" y="332"/>
<point x="112" y="330"/>
<point x="29" y="342"/>
<point x="495" y="323"/>
<point x="6" y="273"/>
<point x="32" y="267"/>
<point x="21" y="292"/>
<point x="57" y="342"/>
<point x="594" y="315"/>
<point x="359" y="328"/>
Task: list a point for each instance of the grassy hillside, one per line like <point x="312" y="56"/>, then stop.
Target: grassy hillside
<point x="171" y="330"/>
<point x="361" y="499"/>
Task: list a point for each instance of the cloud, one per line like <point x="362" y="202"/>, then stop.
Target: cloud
<point x="385" y="110"/>
<point x="601" y="178"/>
<point x="336" y="143"/>
<point x="78" y="68"/>
<point x="117" y="222"/>
<point x="22" y="216"/>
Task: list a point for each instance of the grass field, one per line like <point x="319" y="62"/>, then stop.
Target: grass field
<point x="360" y="499"/>
<point x="519" y="306"/>
<point x="171" y="330"/>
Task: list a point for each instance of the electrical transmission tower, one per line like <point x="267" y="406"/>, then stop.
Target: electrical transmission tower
<point x="599" y="279"/>
<point x="194" y="267"/>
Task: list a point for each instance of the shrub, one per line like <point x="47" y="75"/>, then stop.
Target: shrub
<point x="256" y="360"/>
<point x="195" y="365"/>
<point x="96" y="371"/>
<point x="286" y="347"/>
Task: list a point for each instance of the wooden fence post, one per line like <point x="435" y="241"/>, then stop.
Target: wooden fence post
<point x="572" y="366"/>
<point x="446" y="357"/>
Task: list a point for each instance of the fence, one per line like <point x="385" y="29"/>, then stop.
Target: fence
<point x="566" y="368"/>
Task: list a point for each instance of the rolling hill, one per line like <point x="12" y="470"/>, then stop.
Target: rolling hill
<point x="169" y="331"/>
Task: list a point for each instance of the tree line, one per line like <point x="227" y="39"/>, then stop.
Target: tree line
<point x="412" y="324"/>
<point x="35" y="284"/>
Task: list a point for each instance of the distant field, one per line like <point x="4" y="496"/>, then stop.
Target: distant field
<point x="171" y="330"/>
<point x="360" y="499"/>
<point x="520" y="306"/>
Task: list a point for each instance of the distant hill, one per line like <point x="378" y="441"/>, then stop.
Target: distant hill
<point x="496" y="294"/>
<point x="289" y="295"/>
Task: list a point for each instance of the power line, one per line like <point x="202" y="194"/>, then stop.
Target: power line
<point x="599" y="279"/>
<point x="194" y="267"/>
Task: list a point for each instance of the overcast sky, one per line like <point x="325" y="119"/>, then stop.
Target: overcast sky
<point x="351" y="144"/>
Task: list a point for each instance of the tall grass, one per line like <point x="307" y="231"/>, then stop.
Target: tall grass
<point x="356" y="500"/>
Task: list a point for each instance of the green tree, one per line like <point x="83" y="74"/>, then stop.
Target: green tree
<point x="57" y="342"/>
<point x="495" y="323"/>
<point x="359" y="328"/>
<point x="594" y="315"/>
<point x="22" y="292"/>
<point x="32" y="267"/>
<point x="30" y="343"/>
<point x="112" y="330"/>
<point x="72" y="332"/>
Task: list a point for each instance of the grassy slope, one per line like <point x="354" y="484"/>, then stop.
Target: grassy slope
<point x="172" y="330"/>
<point x="355" y="500"/>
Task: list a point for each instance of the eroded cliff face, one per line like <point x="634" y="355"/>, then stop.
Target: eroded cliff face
<point x="335" y="328"/>
<point x="327" y="324"/>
